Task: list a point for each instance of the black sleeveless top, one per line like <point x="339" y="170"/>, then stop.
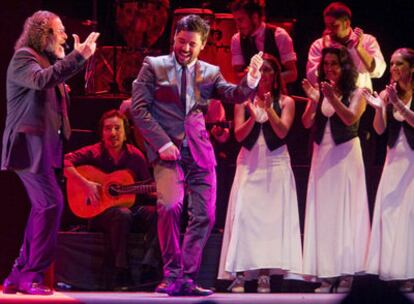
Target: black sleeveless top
<point x="340" y="131"/>
<point x="394" y="126"/>
<point x="272" y="140"/>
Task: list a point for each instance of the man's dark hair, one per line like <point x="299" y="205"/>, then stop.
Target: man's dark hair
<point x="110" y="114"/>
<point x="338" y="10"/>
<point x="249" y="6"/>
<point x="193" y="23"/>
<point x="37" y="32"/>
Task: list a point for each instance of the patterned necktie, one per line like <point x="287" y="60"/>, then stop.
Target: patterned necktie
<point x="183" y="93"/>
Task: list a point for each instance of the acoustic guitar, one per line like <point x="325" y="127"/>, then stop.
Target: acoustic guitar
<point x="118" y="190"/>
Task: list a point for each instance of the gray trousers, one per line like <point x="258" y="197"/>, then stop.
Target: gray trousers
<point x="173" y="178"/>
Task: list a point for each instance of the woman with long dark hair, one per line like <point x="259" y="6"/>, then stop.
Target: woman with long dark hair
<point x="392" y="239"/>
<point x="262" y="232"/>
<point x="337" y="218"/>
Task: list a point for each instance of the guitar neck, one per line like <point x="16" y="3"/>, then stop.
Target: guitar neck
<point x="135" y="188"/>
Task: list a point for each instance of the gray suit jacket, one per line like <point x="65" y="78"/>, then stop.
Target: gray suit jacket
<point x="31" y="138"/>
<point x="157" y="112"/>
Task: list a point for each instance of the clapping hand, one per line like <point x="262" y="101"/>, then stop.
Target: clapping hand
<point x="268" y="100"/>
<point x="252" y="109"/>
<point x="391" y="91"/>
<point x="356" y="37"/>
<point x="373" y="99"/>
<point x="88" y="47"/>
<point x="311" y="91"/>
<point x="328" y="90"/>
<point x="264" y="103"/>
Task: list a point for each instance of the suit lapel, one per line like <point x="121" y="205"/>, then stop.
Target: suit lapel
<point x="64" y="98"/>
<point x="199" y="71"/>
<point x="169" y="67"/>
<point x="198" y="78"/>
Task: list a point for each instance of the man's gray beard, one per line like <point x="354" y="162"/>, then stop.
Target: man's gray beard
<point x="55" y="52"/>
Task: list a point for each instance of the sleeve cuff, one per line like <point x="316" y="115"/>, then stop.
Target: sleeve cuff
<point x="165" y="147"/>
<point x="252" y="82"/>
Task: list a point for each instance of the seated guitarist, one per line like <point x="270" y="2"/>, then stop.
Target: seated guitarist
<point x="111" y="154"/>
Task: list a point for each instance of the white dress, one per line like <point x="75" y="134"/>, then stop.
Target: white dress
<point x="262" y="225"/>
<point x="337" y="225"/>
<point x="391" y="251"/>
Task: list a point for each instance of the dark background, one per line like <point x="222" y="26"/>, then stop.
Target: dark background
<point x="391" y="22"/>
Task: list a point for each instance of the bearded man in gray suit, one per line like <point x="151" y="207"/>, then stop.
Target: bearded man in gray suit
<point x="169" y="97"/>
<point x="36" y="125"/>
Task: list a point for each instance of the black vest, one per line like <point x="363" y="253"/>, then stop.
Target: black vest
<point x="272" y="140"/>
<point x="340" y="132"/>
<point x="249" y="48"/>
<point x="394" y="127"/>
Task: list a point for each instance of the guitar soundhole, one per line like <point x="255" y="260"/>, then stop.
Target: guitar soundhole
<point x="112" y="190"/>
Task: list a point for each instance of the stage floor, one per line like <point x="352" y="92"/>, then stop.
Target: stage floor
<point x="218" y="298"/>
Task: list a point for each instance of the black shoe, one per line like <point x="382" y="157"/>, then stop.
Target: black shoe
<point x="166" y="286"/>
<point x="195" y="290"/>
<point x="36" y="289"/>
<point x="9" y="287"/>
<point x="189" y="288"/>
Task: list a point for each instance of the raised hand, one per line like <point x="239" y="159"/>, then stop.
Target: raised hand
<point x="311" y="91"/>
<point x="391" y="91"/>
<point x="373" y="100"/>
<point x="88" y="47"/>
<point x="328" y="90"/>
<point x="252" y="109"/>
<point x="356" y="37"/>
<point x="268" y="100"/>
<point x="255" y="64"/>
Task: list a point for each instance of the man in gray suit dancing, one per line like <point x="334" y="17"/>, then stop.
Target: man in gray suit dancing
<point x="169" y="98"/>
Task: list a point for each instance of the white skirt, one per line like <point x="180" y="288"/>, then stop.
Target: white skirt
<point x="262" y="226"/>
<point x="337" y="216"/>
<point x="391" y="250"/>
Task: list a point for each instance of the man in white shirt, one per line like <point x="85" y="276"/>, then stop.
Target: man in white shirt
<point x="363" y="48"/>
